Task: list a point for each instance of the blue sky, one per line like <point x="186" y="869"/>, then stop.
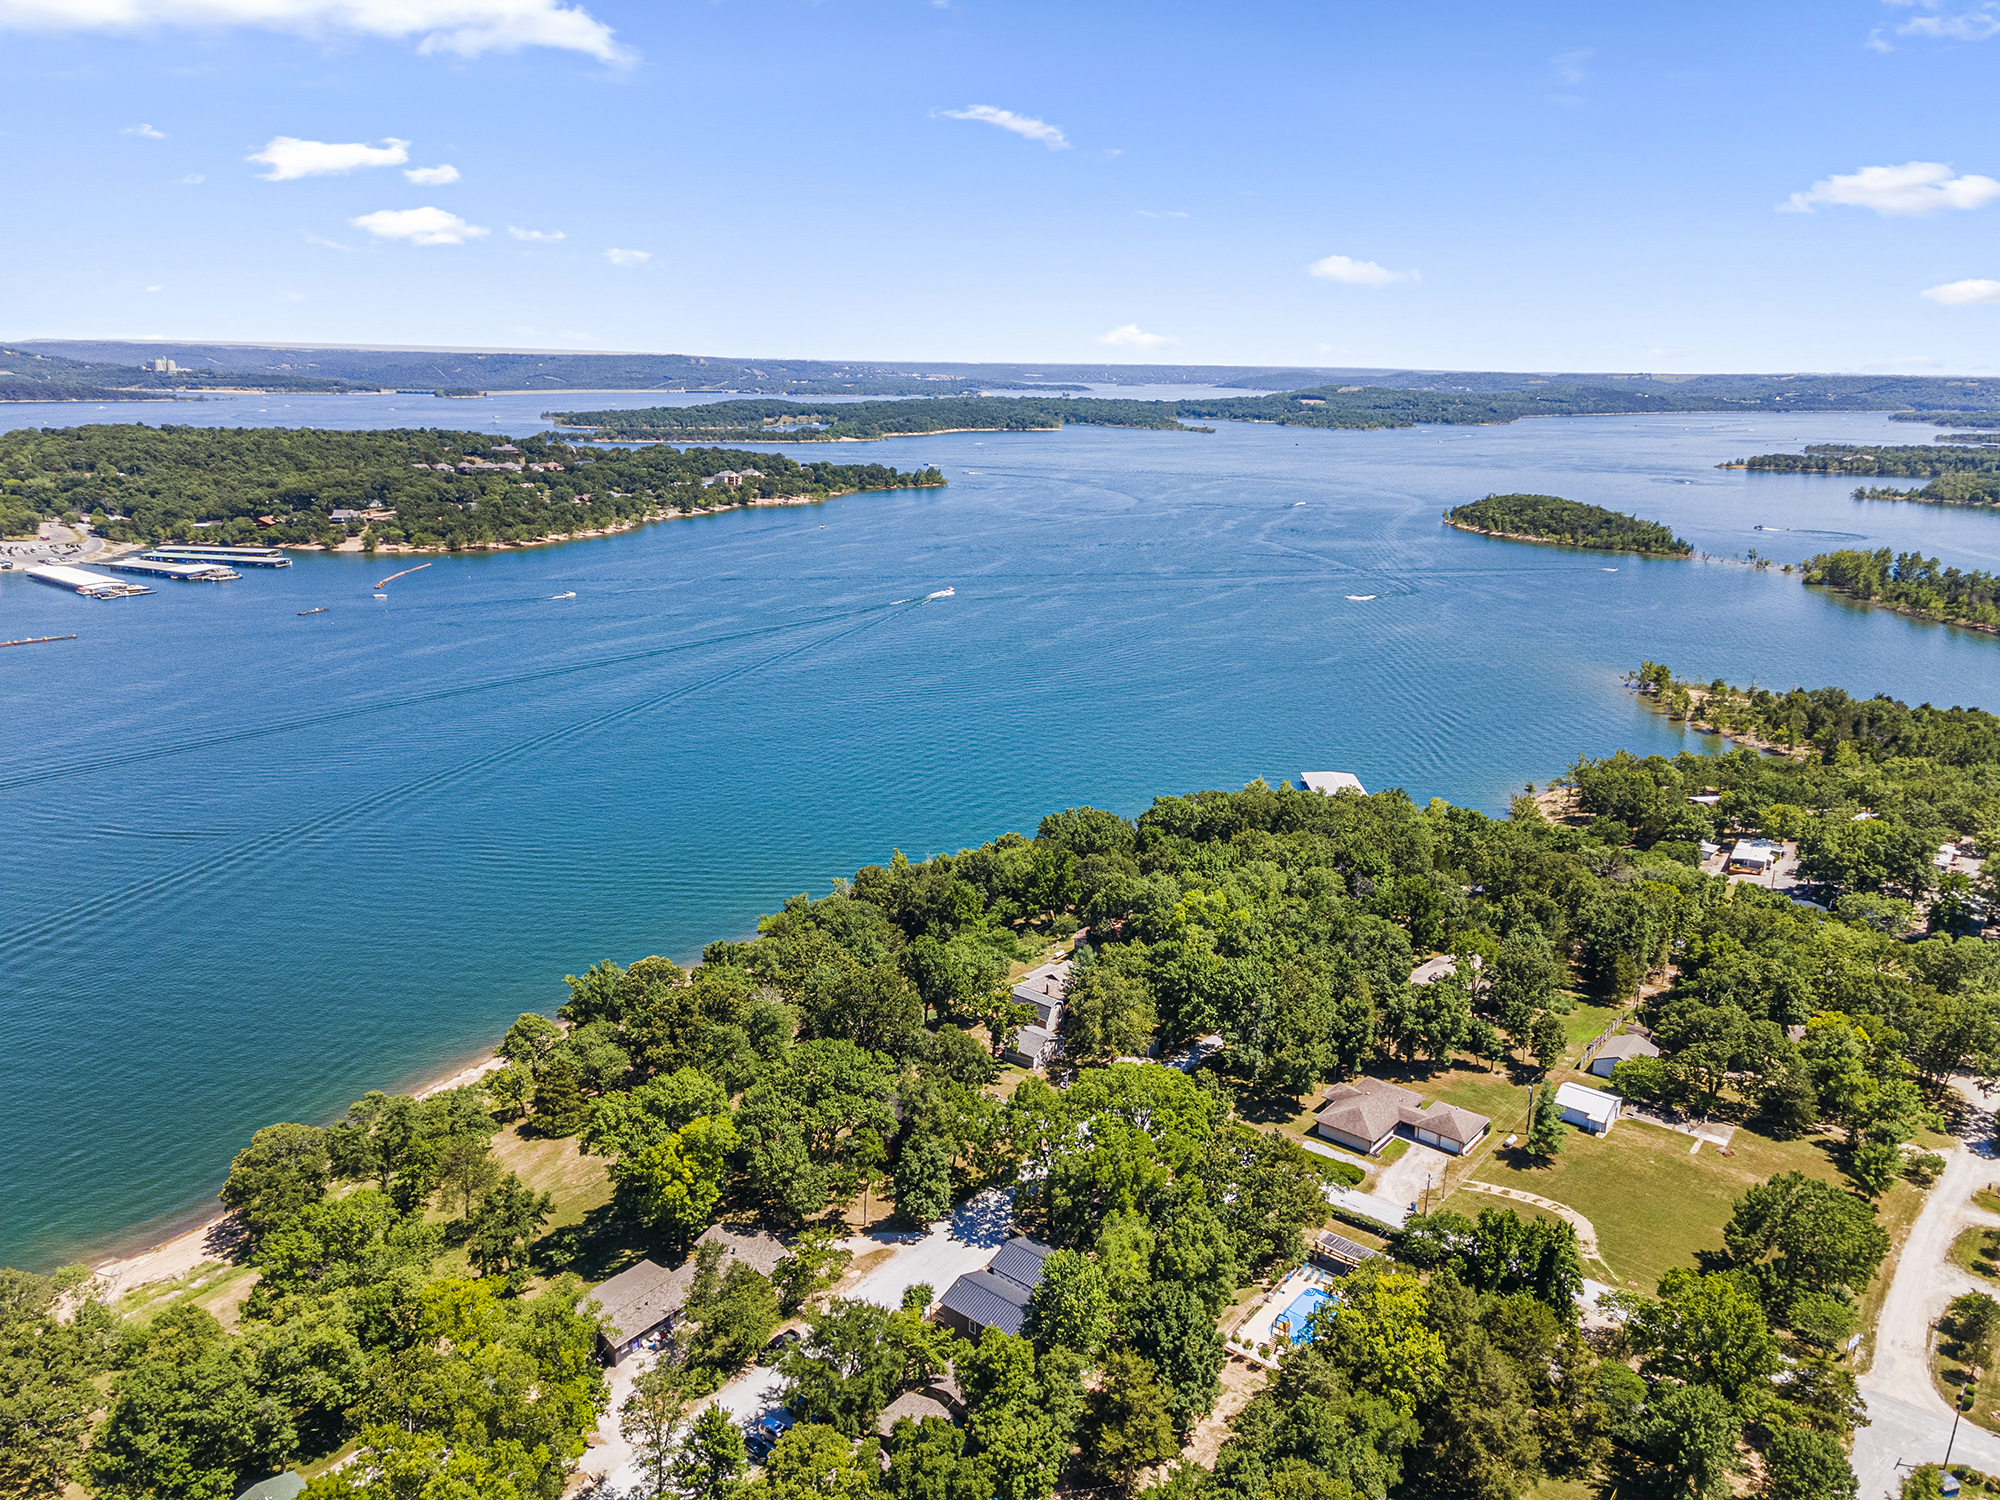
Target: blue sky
<point x="1567" y="186"/>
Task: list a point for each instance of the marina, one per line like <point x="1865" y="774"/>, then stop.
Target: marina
<point x="235" y="557"/>
<point x="180" y="572"/>
<point x="83" y="581"/>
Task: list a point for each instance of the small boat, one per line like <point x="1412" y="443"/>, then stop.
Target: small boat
<point x="1607" y="570"/>
<point x="1361" y="598"/>
<point x="321" y="610"/>
<point x="1297" y="503"/>
<point x="381" y="596"/>
<point x="942" y="594"/>
<point x="570" y="595"/>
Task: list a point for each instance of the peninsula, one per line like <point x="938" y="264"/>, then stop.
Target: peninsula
<point x="863" y="421"/>
<point x="1556" y="522"/>
<point x="400" y="490"/>
<point x="1958" y="476"/>
<point x="1910" y="584"/>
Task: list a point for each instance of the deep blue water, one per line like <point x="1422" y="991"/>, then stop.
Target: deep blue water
<point x="255" y="864"/>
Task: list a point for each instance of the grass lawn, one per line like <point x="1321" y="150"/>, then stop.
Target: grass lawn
<point x="1950" y="1376"/>
<point x="1988" y="1198"/>
<point x="1653" y="1204"/>
<point x="1583" y="1024"/>
<point x="1976" y="1250"/>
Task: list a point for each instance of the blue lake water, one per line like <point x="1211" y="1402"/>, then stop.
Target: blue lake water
<point x="255" y="864"/>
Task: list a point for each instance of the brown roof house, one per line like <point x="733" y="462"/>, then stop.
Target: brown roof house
<point x="645" y="1299"/>
<point x="1367" y="1114"/>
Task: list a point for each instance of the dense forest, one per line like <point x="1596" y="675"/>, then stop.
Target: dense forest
<point x="50" y="377"/>
<point x="1911" y="584"/>
<point x="794" y="422"/>
<point x="1368" y="406"/>
<point x="412" y="1306"/>
<point x="414" y="487"/>
<point x="1987" y="419"/>
<point x="1566" y="523"/>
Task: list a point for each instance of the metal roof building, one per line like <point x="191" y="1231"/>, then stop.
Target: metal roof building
<point x="998" y="1296"/>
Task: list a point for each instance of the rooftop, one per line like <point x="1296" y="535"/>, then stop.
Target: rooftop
<point x="1331" y="781"/>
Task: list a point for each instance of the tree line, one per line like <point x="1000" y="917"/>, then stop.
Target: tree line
<point x="212" y="485"/>
<point x="1567" y="523"/>
<point x="801" y="422"/>
<point x="1909" y="583"/>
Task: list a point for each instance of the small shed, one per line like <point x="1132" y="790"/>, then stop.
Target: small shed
<point x="1588" y="1109"/>
<point x="1621" y="1049"/>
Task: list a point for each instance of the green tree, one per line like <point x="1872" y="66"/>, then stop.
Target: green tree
<point x="47" y="1367"/>
<point x="733" y="1313"/>
<point x="1801" y="1464"/>
<point x="1799" y="1235"/>
<point x="814" y="1461"/>
<point x="1071" y="1306"/>
<point x="1107" y="1014"/>
<point x="560" y="1108"/>
<point x="923" y="1178"/>
<point x="1547" y="1039"/>
<point x="711" y="1462"/>
<point x="845" y="1369"/>
<point x="1126" y="1427"/>
<point x="1705" y="1330"/>
<point x="814" y="1262"/>
<point x="509" y="1216"/>
<point x="673" y="1187"/>
<point x="1175" y="1333"/>
<point x="1690" y="1432"/>
<point x="1545" y="1124"/>
<point x="530" y="1041"/>
<point x="466" y="1168"/>
<point x="284" y="1168"/>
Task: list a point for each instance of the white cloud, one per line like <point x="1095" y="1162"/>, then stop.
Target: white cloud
<point x="1025" y="126"/>
<point x="432" y="176"/>
<point x="465" y="27"/>
<point x="1350" y="272"/>
<point x="1916" y="187"/>
<point x="535" y="234"/>
<point x="1568" y="66"/>
<point x="289" y="158"/>
<point x="1877" y="42"/>
<point x="192" y="178"/>
<point x="420" y="226"/>
<point x="156" y="289"/>
<point x="1963" y="293"/>
<point x="145" y="130"/>
<point x="1974" y="25"/>
<point x="1131" y="336"/>
<point x="628" y="257"/>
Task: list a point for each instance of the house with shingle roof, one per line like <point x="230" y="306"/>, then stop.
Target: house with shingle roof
<point x="1367" y="1114"/>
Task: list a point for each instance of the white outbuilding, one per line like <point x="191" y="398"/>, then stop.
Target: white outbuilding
<point x="1587" y="1108"/>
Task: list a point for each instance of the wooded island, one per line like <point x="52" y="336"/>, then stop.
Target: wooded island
<point x="1565" y="523"/>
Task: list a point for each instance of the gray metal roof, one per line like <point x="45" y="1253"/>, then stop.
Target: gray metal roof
<point x="1020" y="1259"/>
<point x="278" y="1487"/>
<point x="989" y="1300"/>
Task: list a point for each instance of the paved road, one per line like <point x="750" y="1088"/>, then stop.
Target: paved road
<point x="1381" y="1210"/>
<point x="1909" y="1421"/>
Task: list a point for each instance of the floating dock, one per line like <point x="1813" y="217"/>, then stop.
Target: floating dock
<point x="82" y="581"/>
<point x="181" y="572"/>
<point x="235" y="557"/>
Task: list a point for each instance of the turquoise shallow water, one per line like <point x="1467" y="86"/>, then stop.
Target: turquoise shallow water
<point x="256" y="864"/>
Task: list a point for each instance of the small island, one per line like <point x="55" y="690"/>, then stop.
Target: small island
<point x="1909" y="583"/>
<point x="1556" y="522"/>
<point x="864" y="421"/>
<point x="1958" y="476"/>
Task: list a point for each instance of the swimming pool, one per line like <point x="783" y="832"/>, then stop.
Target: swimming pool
<point x="1291" y="1323"/>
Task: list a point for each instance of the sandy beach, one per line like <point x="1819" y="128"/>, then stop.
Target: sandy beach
<point x="215" y="1239"/>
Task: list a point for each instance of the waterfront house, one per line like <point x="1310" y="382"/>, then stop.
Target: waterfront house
<point x="998" y="1295"/>
<point x="1330" y="782"/>
<point x="1367" y="1114"/>
<point x="1043" y="989"/>
<point x="643" y="1300"/>
<point x="1588" y="1109"/>
<point x="1621" y="1049"/>
<point x="916" y="1405"/>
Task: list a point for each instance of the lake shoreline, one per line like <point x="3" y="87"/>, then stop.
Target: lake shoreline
<point x="1549" y="541"/>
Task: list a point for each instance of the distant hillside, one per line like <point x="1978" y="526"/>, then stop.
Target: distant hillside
<point x="554" y="371"/>
<point x="800" y="422"/>
<point x="29" y="376"/>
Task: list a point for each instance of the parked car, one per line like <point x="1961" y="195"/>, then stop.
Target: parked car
<point x="775" y="1350"/>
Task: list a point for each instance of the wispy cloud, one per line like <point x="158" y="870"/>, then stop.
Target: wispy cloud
<point x="420" y="226"/>
<point x="1963" y="293"/>
<point x="1025" y="126"/>
<point x="1941" y="22"/>
<point x="1915" y="188"/>
<point x="432" y="176"/>
<point x="1132" y="336"/>
<point x="535" y="234"/>
<point x="1569" y="66"/>
<point x="1165" y="213"/>
<point x="1877" y="42"/>
<point x="192" y="179"/>
<point x="156" y="288"/>
<point x="628" y="257"/>
<point x="1350" y="272"/>
<point x="290" y="158"/>
<point x="466" y="28"/>
<point x="324" y="243"/>
<point x="142" y="130"/>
